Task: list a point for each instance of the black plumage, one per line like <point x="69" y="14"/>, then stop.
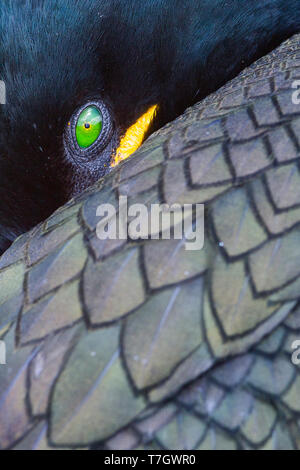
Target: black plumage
<point x="58" y="55"/>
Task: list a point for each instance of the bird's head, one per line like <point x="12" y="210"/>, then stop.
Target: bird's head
<point x="86" y="81"/>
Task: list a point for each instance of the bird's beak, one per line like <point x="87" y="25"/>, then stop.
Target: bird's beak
<point x="134" y="136"/>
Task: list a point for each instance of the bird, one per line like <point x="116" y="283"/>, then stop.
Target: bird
<point x="88" y="80"/>
<point x="140" y="343"/>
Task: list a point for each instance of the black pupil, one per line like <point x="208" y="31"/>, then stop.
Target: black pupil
<point x="87" y="125"/>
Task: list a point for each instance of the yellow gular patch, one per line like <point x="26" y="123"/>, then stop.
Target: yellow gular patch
<point x="134" y="136"/>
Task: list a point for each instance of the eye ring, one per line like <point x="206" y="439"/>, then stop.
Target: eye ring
<point x="70" y="140"/>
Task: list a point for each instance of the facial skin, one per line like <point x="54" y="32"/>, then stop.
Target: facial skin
<point x="58" y="57"/>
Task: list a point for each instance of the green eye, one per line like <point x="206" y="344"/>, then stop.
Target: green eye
<point x="89" y="126"/>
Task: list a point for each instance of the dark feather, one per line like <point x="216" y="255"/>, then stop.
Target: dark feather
<point x="56" y="55"/>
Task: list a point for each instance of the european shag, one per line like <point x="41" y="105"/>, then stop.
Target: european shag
<point x="88" y="80"/>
